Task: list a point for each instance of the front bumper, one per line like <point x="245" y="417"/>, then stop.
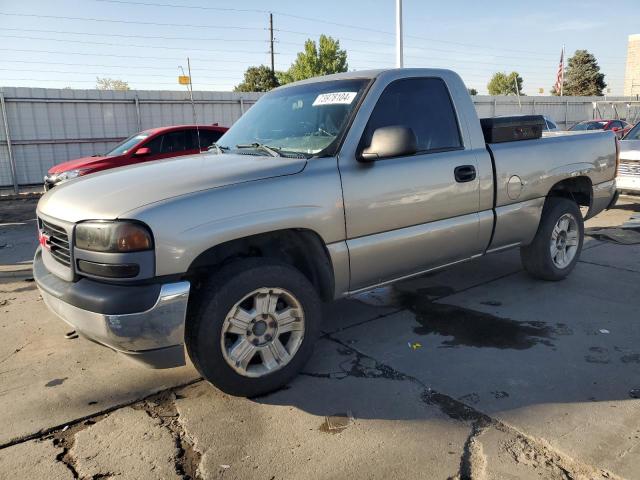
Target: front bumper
<point x="153" y="336"/>
<point x="628" y="183"/>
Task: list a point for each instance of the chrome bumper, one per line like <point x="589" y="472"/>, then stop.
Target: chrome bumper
<point x="154" y="337"/>
<point x="628" y="183"/>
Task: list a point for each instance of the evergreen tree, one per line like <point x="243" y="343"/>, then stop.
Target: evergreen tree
<point x="582" y="77"/>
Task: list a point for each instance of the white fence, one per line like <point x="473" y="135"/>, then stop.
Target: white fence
<point x="565" y="111"/>
<point x="50" y="126"/>
<point x="42" y="127"/>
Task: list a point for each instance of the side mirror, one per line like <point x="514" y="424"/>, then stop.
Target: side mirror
<point x="141" y="152"/>
<point x="392" y="141"/>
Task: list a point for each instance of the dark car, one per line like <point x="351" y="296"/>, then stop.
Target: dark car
<point x="620" y="127"/>
<point x="152" y="144"/>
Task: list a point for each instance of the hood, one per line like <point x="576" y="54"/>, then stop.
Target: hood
<point x="111" y="193"/>
<point x="83" y="162"/>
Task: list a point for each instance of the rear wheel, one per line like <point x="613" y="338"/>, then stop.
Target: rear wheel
<point x="556" y="247"/>
<point x="253" y="326"/>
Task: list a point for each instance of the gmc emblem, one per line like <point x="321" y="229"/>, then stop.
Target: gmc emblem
<point x="44" y="240"/>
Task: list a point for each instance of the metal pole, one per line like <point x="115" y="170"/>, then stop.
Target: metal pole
<point x="399" y="52"/>
<point x="138" y="117"/>
<point x="273" y="66"/>
<point x="562" y="74"/>
<point x="193" y="105"/>
<point x="12" y="161"/>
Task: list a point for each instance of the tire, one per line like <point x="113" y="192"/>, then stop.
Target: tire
<point x="538" y="258"/>
<point x="219" y="350"/>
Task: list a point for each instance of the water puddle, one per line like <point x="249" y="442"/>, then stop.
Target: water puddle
<point x="467" y="327"/>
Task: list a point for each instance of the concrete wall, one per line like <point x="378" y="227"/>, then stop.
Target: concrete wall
<point x="50" y="126"/>
<point x="632" y="70"/>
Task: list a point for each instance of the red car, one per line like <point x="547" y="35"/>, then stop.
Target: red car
<point x="620" y="127"/>
<point x="152" y="144"/>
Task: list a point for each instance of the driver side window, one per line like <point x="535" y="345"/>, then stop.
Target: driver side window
<point x="422" y="104"/>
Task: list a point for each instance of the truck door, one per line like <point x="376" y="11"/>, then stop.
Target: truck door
<point x="411" y="213"/>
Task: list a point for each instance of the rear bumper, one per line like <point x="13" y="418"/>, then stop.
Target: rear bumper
<point x="153" y="336"/>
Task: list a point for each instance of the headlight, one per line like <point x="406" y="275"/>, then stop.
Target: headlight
<point x="114" y="237"/>
<point x="68" y="175"/>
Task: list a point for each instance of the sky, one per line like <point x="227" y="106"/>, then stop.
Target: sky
<point x="68" y="43"/>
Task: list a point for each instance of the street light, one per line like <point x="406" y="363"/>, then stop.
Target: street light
<point x="399" y="54"/>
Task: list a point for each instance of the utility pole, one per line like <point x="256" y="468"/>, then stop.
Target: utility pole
<point x="273" y="67"/>
<point x="399" y="54"/>
<point x="193" y="105"/>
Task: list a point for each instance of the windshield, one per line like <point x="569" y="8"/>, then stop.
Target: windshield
<point x="127" y="145"/>
<point x="634" y="133"/>
<point x="589" y="126"/>
<point x="303" y="119"/>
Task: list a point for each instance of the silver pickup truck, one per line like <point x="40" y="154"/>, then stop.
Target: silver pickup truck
<point x="324" y="188"/>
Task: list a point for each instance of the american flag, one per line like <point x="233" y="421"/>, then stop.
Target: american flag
<point x="560" y="74"/>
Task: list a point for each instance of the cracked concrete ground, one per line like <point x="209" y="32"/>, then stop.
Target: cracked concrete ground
<point x="474" y="372"/>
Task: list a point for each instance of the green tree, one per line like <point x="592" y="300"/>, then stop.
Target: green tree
<point x="582" y="77"/>
<point x="258" y="79"/>
<point x="106" y="83"/>
<point x="505" y="84"/>
<point x="322" y="58"/>
<point x="472" y="91"/>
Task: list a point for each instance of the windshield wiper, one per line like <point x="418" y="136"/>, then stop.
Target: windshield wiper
<point x="261" y="146"/>
<point x="218" y="148"/>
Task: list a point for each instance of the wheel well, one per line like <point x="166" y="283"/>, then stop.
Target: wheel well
<point x="578" y="189"/>
<point x="300" y="248"/>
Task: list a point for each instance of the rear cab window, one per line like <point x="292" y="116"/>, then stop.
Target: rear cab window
<point x="422" y="104"/>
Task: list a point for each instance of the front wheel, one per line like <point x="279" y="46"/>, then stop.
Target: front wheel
<point x="556" y="247"/>
<point x="253" y="326"/>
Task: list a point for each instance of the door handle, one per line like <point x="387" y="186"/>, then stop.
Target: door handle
<point x="465" y="173"/>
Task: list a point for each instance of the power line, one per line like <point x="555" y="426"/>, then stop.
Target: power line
<point x="366" y="52"/>
<point x="272" y="52"/>
<point x="150" y="37"/>
<point x="75" y="72"/>
<point x="316" y="20"/>
<point x="207" y="60"/>
<point x="85" y="19"/>
<point x="163" y="47"/>
<point x="11" y="61"/>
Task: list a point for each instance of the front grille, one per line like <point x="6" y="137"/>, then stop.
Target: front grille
<point x="58" y="242"/>
<point x="629" y="169"/>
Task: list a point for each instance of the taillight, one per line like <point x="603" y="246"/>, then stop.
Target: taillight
<point x="617" y="155"/>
